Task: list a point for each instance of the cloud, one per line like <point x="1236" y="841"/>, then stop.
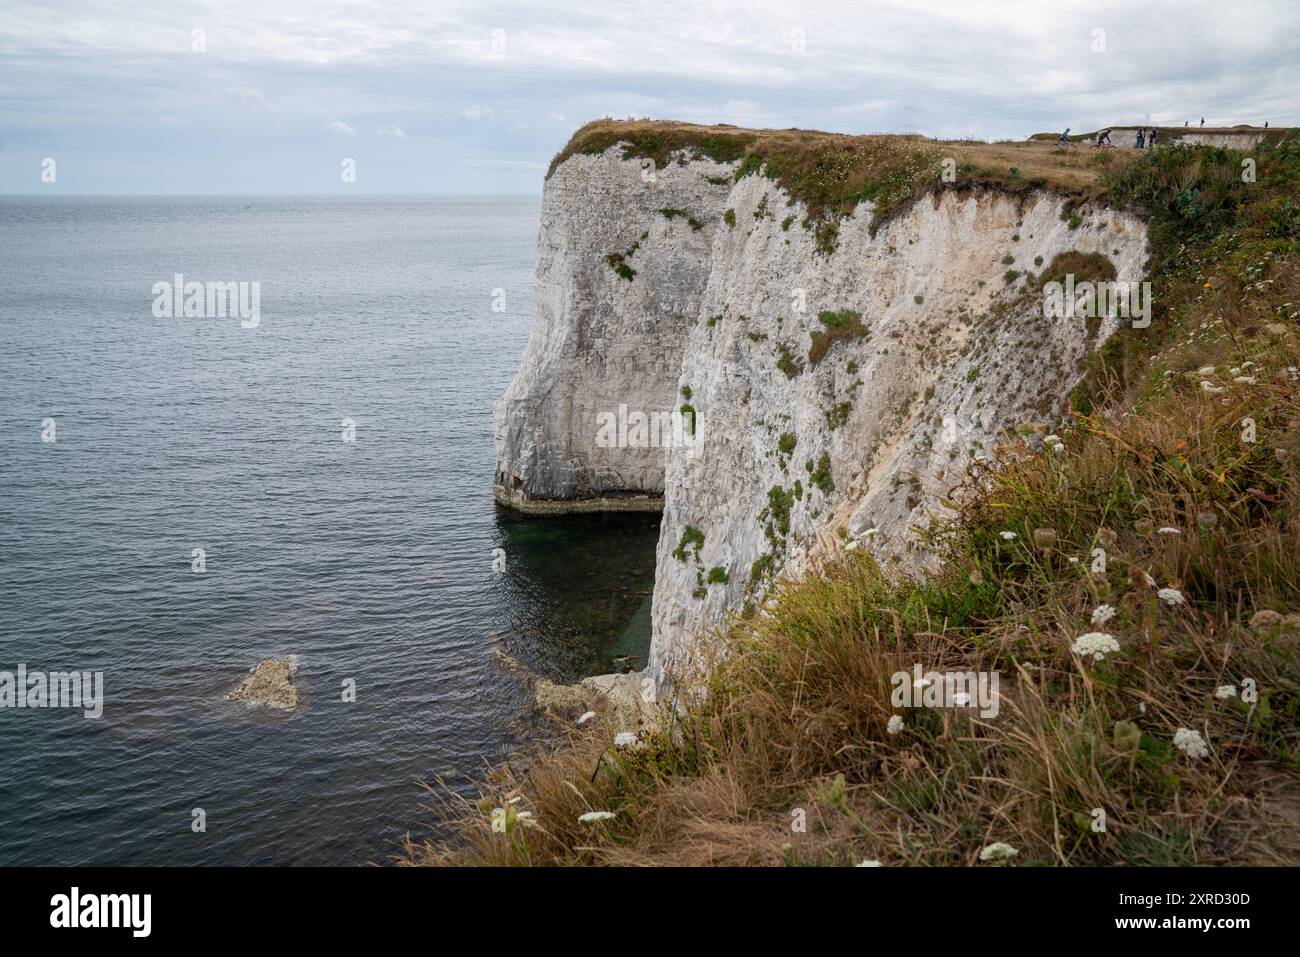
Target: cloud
<point x="82" y="71"/>
<point x="394" y="131"/>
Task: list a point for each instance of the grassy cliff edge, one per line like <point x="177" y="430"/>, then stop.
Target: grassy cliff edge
<point x="1164" y="517"/>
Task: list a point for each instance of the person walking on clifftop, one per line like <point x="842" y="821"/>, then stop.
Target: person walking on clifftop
<point x="1141" y="141"/>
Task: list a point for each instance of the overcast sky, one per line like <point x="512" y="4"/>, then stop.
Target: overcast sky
<point x="444" y="96"/>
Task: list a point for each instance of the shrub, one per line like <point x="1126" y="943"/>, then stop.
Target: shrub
<point x="841" y="325"/>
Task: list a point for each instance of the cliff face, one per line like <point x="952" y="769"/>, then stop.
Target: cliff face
<point x="839" y="387"/>
<point x="605" y="336"/>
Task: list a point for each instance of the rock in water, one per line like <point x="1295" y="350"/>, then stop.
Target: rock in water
<point x="270" y="685"/>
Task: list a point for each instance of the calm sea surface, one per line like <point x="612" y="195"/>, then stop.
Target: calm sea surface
<point x="369" y="560"/>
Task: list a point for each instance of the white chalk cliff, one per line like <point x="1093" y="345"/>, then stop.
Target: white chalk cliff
<point x="683" y="286"/>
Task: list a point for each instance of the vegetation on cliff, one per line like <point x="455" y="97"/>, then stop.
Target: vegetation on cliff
<point x="832" y="173"/>
<point x="1135" y="582"/>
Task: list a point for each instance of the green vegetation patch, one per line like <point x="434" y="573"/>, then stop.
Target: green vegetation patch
<point x="842" y="325"/>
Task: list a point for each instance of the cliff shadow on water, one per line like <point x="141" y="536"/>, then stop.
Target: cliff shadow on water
<point x="578" y="588"/>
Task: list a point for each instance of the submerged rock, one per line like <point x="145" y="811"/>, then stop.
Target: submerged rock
<point x="270" y="685"/>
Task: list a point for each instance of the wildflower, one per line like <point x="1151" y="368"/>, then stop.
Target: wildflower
<point x="1007" y="536"/>
<point x="1095" y="643"/>
<point x="1169" y="531"/>
<point x="998" y="851"/>
<point x="1151" y="582"/>
<point x="586" y="717"/>
<point x="895" y="724"/>
<point x="626" y="739"/>
<point x="850" y="546"/>
<point x="595" y="816"/>
<point x="1225" y="691"/>
<point x="1102" y="614"/>
<point x="869" y="864"/>
<point x="1245" y="379"/>
<point x="1205" y="370"/>
<point x="1170" y="596"/>
<point x="1191" y="743"/>
<point x="1212" y="389"/>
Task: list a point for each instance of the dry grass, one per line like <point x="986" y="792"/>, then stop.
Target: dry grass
<point x="831" y="173"/>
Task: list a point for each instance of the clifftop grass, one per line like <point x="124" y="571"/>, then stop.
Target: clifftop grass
<point x="831" y="173"/>
<point x="1171" y="502"/>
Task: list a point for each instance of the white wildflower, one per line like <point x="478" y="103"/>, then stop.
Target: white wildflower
<point x="1225" y="691"/>
<point x="850" y="546"/>
<point x="998" y="851"/>
<point x="1095" y="643"/>
<point x="1191" y="743"/>
<point x="1205" y="370"/>
<point x="1169" y="531"/>
<point x="586" y="717"/>
<point x="1246" y="379"/>
<point x="1212" y="389"/>
<point x="869" y="864"/>
<point x="1102" y="614"/>
<point x="1007" y="536"/>
<point x="626" y="739"/>
<point x="1170" y="596"/>
<point x="895" y="724"/>
<point x="595" y="816"/>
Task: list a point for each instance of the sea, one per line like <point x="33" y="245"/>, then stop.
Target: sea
<point x="182" y="496"/>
